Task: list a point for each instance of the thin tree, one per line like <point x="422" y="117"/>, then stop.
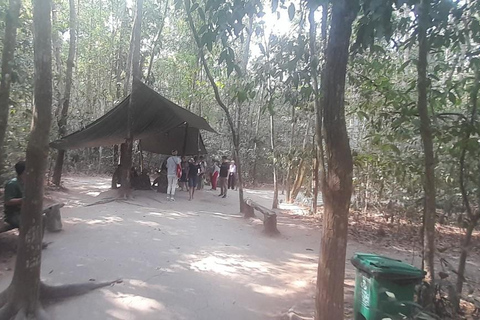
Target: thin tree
<point x="337" y="184"/>
<point x="136" y="71"/>
<point x="235" y="136"/>
<point x="427" y="139"/>
<point x="9" y="42"/>
<point x="62" y="120"/>
<point x="24" y="297"/>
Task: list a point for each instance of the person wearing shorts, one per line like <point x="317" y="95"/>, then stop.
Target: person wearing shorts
<point x="193" y="172"/>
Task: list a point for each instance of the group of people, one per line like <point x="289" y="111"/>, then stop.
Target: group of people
<point x="192" y="174"/>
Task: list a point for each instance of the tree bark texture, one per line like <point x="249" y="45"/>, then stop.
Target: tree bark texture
<point x="62" y="121"/>
<point x="136" y="71"/>
<point x="9" y="43"/>
<point x="26" y="279"/>
<point x="337" y="184"/>
<point x="473" y="215"/>
<point x="427" y="140"/>
<point x="274" y="155"/>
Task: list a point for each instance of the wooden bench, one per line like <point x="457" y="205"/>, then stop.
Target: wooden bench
<point x="269" y="217"/>
<point x="52" y="220"/>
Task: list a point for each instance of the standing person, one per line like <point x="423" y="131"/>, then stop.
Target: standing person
<point x="193" y="173"/>
<point x="215" y="172"/>
<point x="14" y="196"/>
<point x="172" y="163"/>
<point x="224" y="177"/>
<point x="201" y="176"/>
<point x="232" y="171"/>
<point x="184" y="178"/>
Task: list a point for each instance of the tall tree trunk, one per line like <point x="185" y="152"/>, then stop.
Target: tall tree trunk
<point x="9" y="42"/>
<point x="300" y="175"/>
<point x="235" y="137"/>
<point x="337" y="184"/>
<point x="288" y="179"/>
<point x="156" y="43"/>
<point x="427" y="139"/>
<point x="255" y="146"/>
<point x="26" y="277"/>
<point x="136" y="71"/>
<point x="62" y="121"/>
<point x="274" y="155"/>
<point x="473" y="215"/>
<point x="57" y="49"/>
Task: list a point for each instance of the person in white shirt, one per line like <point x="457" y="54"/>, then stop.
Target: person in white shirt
<point x="172" y="163"/>
<point x="232" y="171"/>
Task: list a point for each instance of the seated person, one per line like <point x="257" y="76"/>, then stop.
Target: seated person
<point x="142" y="182"/>
<point x="161" y="182"/>
<point x="14" y="196"/>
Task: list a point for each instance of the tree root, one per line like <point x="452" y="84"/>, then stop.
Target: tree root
<point x="12" y="310"/>
<point x="53" y="293"/>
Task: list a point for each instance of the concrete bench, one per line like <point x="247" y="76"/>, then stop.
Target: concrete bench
<point x="269" y="217"/>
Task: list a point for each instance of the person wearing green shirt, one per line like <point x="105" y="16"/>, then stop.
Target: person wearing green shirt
<point x="14" y="196"/>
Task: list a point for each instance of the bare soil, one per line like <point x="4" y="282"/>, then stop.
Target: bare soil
<point x="198" y="259"/>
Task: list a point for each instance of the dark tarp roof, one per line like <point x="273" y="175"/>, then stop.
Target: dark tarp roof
<point x="165" y="142"/>
<point x="152" y="114"/>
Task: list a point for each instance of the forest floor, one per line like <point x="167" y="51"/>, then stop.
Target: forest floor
<point x="199" y="259"/>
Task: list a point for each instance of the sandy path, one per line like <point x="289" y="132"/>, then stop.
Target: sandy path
<point x="181" y="260"/>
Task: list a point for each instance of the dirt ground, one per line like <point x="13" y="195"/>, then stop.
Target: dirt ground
<point x="190" y="259"/>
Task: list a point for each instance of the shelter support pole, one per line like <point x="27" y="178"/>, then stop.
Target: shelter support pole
<point x="185" y="138"/>
<point x="141" y="155"/>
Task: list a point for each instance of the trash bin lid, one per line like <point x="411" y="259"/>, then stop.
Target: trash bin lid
<point x="385" y="267"/>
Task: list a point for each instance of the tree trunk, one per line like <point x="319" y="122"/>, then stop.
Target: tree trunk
<point x="473" y="217"/>
<point x="337" y="184"/>
<point x="316" y="100"/>
<point x="300" y="175"/>
<point x="255" y="146"/>
<point x="155" y="44"/>
<point x="274" y="155"/>
<point x="62" y="122"/>
<point x="235" y="137"/>
<point x="136" y="70"/>
<point x="9" y="42"/>
<point x="427" y="139"/>
<point x="288" y="179"/>
<point x="26" y="278"/>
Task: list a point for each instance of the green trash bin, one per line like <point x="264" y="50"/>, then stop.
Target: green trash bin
<point x="382" y="286"/>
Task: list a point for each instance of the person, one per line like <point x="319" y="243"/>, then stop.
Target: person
<point x="232" y="171"/>
<point x="142" y="182"/>
<point x="14" y="196"/>
<point x="201" y="176"/>
<point x="184" y="178"/>
<point x="193" y="173"/>
<point x="224" y="177"/>
<point x="215" y="172"/>
<point x="172" y="163"/>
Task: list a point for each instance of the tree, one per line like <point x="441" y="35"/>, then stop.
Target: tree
<point x="211" y="79"/>
<point x="24" y="297"/>
<point x="62" y="121"/>
<point x="137" y="73"/>
<point x="427" y="139"/>
<point x="337" y="184"/>
<point x="9" y="42"/>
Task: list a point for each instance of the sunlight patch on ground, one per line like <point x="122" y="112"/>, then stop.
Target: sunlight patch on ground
<point x="105" y="220"/>
<point x="147" y="223"/>
<point x="125" y="302"/>
<point x="228" y="265"/>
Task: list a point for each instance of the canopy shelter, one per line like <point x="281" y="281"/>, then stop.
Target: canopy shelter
<point x="160" y="124"/>
<point x="188" y="141"/>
